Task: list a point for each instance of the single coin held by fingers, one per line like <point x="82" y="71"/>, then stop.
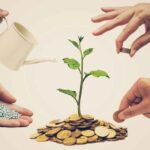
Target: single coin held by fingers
<point x="115" y="116"/>
<point x="1" y="19"/>
<point x="125" y="50"/>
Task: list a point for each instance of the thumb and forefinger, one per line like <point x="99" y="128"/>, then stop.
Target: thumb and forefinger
<point x="131" y="104"/>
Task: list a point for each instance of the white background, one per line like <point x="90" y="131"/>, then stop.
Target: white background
<point x="53" y="22"/>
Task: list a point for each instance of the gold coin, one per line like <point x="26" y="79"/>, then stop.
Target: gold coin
<point x="74" y="117"/>
<point x="54" y="139"/>
<point x="75" y="123"/>
<point x="35" y="135"/>
<point x="42" y="138"/>
<point x="95" y="124"/>
<point x="55" y="121"/>
<point x="88" y="117"/>
<point x="52" y="132"/>
<point x="82" y="140"/>
<point x="87" y="133"/>
<point x="58" y="141"/>
<point x="53" y="125"/>
<point x="63" y="134"/>
<point x="93" y="139"/>
<point x="112" y="126"/>
<point x="107" y="124"/>
<point x="42" y="130"/>
<point x="123" y="131"/>
<point x="76" y="133"/>
<point x="101" y="131"/>
<point x="67" y="126"/>
<point x="112" y="134"/>
<point x="120" y="137"/>
<point x="69" y="141"/>
<point x="102" y="122"/>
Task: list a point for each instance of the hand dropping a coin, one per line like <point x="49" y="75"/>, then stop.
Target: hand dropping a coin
<point x="79" y="128"/>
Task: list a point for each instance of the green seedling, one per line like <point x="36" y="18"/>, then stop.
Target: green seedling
<point x="76" y="65"/>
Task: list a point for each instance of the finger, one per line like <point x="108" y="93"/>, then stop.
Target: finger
<point x="27" y="118"/>
<point x="5" y="96"/>
<point x="23" y="122"/>
<point x="132" y="26"/>
<point x="106" y="16"/>
<point x="9" y="123"/>
<point x="3" y="13"/>
<point x="132" y="111"/>
<point x="119" y="20"/>
<point x="140" y="42"/>
<point x="130" y="96"/>
<point x="21" y="110"/>
<point x="110" y="9"/>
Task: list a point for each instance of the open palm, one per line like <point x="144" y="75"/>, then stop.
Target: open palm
<point x="7" y="99"/>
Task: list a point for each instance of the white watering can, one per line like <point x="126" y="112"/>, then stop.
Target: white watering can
<point x="16" y="42"/>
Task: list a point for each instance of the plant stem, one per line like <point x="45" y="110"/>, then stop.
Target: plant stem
<point x="81" y="82"/>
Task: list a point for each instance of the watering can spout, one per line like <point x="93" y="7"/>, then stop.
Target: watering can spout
<point x="36" y="61"/>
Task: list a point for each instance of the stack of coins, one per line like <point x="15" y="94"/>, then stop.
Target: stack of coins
<point x="7" y="113"/>
<point x="77" y="130"/>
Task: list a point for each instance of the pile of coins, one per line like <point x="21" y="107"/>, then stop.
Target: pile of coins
<point x="7" y="113"/>
<point x="77" y="130"/>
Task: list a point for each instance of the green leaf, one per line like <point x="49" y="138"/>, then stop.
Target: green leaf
<point x="99" y="73"/>
<point x="72" y="63"/>
<point x="68" y="92"/>
<point x="80" y="38"/>
<point x="74" y="43"/>
<point x="87" y="51"/>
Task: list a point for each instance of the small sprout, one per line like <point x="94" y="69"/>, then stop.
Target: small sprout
<point x="75" y="65"/>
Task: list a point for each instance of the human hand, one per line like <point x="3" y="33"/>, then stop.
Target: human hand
<point x="8" y="100"/>
<point x="133" y="17"/>
<point x="136" y="101"/>
<point x="3" y="13"/>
